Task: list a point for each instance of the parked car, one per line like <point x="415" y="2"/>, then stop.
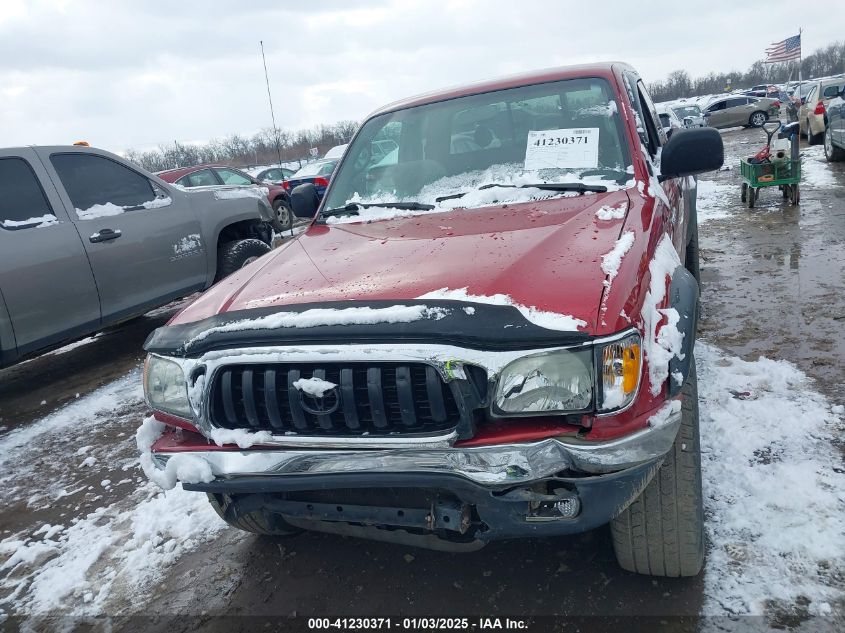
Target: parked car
<point x="812" y="115"/>
<point x="88" y="240"/>
<point x="274" y="175"/>
<point x="223" y="175"/>
<point x="689" y="114"/>
<point x="336" y="152"/>
<point x="669" y="120"/>
<point x="834" y="134"/>
<point x="746" y="111"/>
<point x="394" y="374"/>
<point x="318" y="173"/>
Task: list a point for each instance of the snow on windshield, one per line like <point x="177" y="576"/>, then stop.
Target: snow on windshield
<point x="498" y="184"/>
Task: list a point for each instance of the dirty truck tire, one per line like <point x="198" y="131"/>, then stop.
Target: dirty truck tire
<point x="831" y="152"/>
<point x="662" y="532"/>
<point x="255" y="522"/>
<point x="282" y="216"/>
<point x="233" y="256"/>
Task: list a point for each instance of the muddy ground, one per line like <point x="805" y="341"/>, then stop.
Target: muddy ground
<point x="772" y="285"/>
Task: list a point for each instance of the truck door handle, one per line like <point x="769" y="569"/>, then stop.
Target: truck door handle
<point x="105" y="235"/>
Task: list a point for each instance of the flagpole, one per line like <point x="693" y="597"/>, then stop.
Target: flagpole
<point x="800" y="53"/>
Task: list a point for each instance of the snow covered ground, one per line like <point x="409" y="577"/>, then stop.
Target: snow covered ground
<point x="774" y="488"/>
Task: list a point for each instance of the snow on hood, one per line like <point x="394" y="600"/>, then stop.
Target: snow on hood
<point x="543" y="255"/>
<point x="548" y="320"/>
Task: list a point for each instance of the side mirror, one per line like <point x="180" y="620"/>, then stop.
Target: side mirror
<point x="691" y="152"/>
<point x="303" y="200"/>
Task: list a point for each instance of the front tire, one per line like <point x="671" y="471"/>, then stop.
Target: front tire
<point x="757" y="119"/>
<point x="832" y="153"/>
<point x="256" y="522"/>
<point x="282" y="216"/>
<point x="662" y="532"/>
<point x="233" y="256"/>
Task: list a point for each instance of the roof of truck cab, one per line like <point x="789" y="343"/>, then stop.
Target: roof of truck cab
<point x="604" y="70"/>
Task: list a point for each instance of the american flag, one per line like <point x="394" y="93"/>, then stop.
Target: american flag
<point x="788" y="49"/>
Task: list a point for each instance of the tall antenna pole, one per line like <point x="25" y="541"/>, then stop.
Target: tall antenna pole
<point x="270" y="99"/>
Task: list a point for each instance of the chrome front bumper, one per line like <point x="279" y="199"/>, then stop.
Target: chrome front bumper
<point x="486" y="465"/>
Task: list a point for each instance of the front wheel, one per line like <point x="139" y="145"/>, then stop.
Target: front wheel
<point x="813" y="139"/>
<point x="257" y="522"/>
<point x="758" y="119"/>
<point x="752" y="197"/>
<point x="795" y="194"/>
<point x="662" y="532"/>
<point x="282" y="216"/>
<point x="831" y="152"/>
<point x="233" y="256"/>
<point x="743" y="192"/>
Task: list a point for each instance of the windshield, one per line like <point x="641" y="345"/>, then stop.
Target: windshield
<point x="687" y="111"/>
<point x="560" y="132"/>
<point x="317" y="168"/>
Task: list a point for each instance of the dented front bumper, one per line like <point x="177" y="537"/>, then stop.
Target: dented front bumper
<point x="546" y="487"/>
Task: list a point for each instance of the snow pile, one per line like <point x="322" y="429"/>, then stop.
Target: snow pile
<point x="773" y="488"/>
<point x="241" y="192"/>
<point x="241" y="437"/>
<point x="610" y="266"/>
<point x="548" y="320"/>
<point x="101" y="558"/>
<point x="611" y="261"/>
<point x="711" y="203"/>
<point x="608" y="213"/>
<point x="313" y="386"/>
<point x="330" y="316"/>
<point x="815" y="171"/>
<point x="187" y="468"/>
<point x="47" y="219"/>
<point x="187" y="244"/>
<point x="660" y="347"/>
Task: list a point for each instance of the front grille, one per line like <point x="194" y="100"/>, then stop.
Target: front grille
<point x="370" y="399"/>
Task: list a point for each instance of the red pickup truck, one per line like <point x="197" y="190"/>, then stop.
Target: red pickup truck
<point x="486" y="334"/>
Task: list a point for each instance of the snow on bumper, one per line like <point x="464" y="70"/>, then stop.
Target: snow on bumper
<point x="167" y="460"/>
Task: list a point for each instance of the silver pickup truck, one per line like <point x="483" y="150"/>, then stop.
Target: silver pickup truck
<point x="88" y="240"/>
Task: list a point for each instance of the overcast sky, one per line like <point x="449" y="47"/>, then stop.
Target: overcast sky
<point x="149" y="72"/>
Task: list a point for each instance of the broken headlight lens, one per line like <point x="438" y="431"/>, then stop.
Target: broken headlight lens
<point x="554" y="382"/>
<point x="165" y="388"/>
<point x="619" y="372"/>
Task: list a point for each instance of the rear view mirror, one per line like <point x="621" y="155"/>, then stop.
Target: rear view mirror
<point x="691" y="152"/>
<point x="303" y="200"/>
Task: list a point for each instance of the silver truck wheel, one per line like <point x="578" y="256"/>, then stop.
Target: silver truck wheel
<point x="662" y="532"/>
<point x="233" y="256"/>
<point x="256" y="522"/>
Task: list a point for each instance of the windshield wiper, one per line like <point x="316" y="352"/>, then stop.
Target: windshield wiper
<point x="353" y="207"/>
<point x="580" y="187"/>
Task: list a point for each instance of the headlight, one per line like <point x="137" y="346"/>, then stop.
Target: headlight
<point x="165" y="388"/>
<point x="619" y="372"/>
<point x="554" y="382"/>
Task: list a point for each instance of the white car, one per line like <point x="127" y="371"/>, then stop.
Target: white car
<point x="669" y="120"/>
<point x="689" y="114"/>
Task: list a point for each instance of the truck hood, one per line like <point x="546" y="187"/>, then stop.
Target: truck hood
<point x="545" y="254"/>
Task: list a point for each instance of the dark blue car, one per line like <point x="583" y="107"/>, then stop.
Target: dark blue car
<point x="317" y="173"/>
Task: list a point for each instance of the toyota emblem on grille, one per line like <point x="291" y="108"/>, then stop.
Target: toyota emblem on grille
<point x="326" y="404"/>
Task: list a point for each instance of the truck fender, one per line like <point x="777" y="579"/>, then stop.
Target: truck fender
<point x="683" y="297"/>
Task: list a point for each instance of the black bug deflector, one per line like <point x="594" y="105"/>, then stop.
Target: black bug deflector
<point x="487" y="327"/>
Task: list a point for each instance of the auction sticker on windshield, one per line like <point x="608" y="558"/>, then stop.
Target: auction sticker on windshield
<point x="573" y="148"/>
